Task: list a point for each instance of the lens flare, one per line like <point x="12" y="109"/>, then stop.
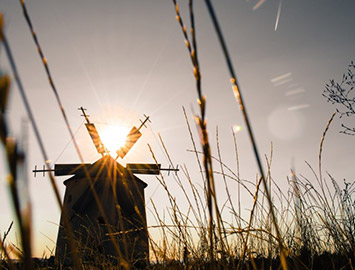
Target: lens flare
<point x="237" y="128"/>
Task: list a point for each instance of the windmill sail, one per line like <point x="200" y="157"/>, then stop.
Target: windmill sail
<point x="132" y="138"/>
<point x="140" y="168"/>
<point x="96" y="138"/>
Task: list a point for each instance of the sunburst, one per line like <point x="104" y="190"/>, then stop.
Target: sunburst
<point x="114" y="137"/>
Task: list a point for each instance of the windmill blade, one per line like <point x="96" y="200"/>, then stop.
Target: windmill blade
<point x="132" y="138"/>
<point x="96" y="138"/>
<point x="147" y="168"/>
<point x="94" y="134"/>
<point x="141" y="168"/>
<point x="69" y="169"/>
<point x="64" y="169"/>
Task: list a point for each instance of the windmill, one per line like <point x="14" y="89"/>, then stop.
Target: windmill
<point x="104" y="202"/>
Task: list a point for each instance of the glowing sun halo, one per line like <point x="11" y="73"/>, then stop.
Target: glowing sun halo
<point x="114" y="137"/>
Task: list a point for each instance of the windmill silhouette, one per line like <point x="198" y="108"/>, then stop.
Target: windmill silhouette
<point x="104" y="202"/>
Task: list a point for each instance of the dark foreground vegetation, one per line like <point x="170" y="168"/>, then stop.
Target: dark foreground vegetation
<point x="325" y="261"/>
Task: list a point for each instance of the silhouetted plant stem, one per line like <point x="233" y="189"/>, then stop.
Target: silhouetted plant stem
<point x="211" y="196"/>
<point x="238" y="95"/>
<point x="39" y="140"/>
<point x="49" y="76"/>
<point x="7" y="256"/>
<point x="56" y="94"/>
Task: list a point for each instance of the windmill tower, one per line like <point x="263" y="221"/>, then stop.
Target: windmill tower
<point x="105" y="205"/>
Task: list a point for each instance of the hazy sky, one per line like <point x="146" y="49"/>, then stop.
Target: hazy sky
<point x="123" y="59"/>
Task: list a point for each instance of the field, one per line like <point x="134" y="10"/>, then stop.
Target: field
<point x="307" y="224"/>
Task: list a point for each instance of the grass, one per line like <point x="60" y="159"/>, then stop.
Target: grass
<point x="308" y="226"/>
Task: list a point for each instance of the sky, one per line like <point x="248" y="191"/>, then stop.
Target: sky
<point x="123" y="59"/>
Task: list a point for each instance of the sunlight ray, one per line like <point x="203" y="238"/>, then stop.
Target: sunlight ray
<point x="278" y="15"/>
<point x="259" y="4"/>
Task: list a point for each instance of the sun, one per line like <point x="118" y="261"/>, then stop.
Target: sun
<point x="113" y="137"/>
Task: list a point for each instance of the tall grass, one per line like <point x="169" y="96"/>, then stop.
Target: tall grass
<point x="307" y="226"/>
